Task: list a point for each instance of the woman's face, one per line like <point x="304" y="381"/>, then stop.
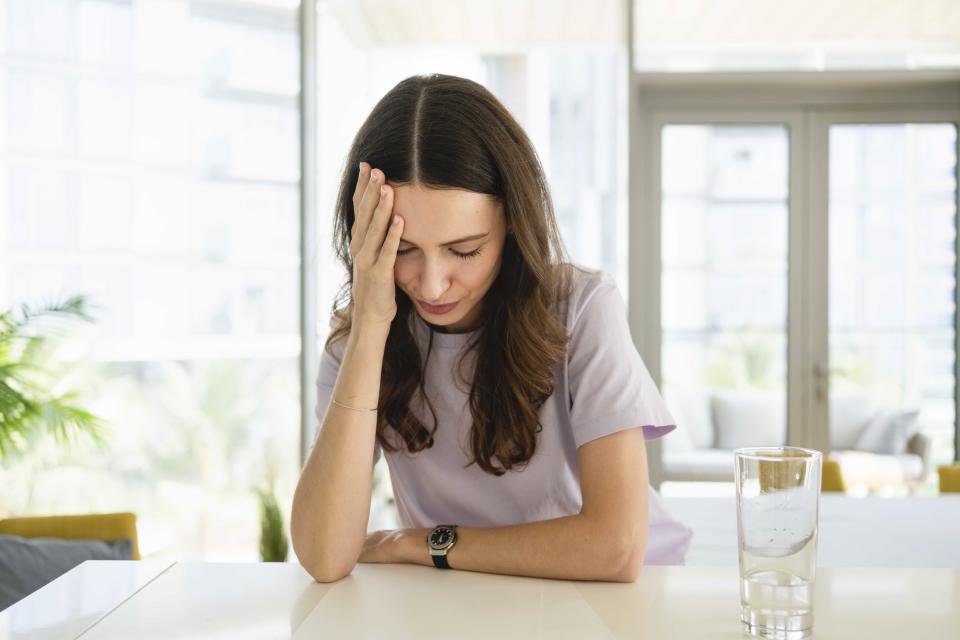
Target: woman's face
<point x="450" y="252"/>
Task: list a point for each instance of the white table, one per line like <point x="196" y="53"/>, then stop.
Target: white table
<point x="854" y="532"/>
<point x="254" y="601"/>
<point x="77" y="600"/>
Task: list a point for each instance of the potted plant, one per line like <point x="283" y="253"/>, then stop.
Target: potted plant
<point x="31" y="404"/>
<point x="273" y="535"/>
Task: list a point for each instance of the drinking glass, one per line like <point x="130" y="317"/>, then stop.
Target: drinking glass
<point x="778" y="504"/>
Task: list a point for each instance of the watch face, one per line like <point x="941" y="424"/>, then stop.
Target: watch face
<point x="441" y="537"/>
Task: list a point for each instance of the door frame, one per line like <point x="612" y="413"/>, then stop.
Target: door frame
<point x="799" y="100"/>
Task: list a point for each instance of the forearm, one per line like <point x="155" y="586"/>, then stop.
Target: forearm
<point x="331" y="505"/>
<point x="573" y="548"/>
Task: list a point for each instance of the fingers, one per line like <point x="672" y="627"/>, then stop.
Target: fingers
<point x="363" y="177"/>
<point x="364" y="210"/>
<point x="388" y="252"/>
<point x="381" y="219"/>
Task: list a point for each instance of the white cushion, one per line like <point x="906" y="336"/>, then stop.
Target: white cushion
<point x="749" y="419"/>
<point x="911" y="464"/>
<point x="849" y="414"/>
<point x="690" y="407"/>
<point x="700" y="464"/>
<point x="887" y="432"/>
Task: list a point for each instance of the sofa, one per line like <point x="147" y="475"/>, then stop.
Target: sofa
<point x="876" y="448"/>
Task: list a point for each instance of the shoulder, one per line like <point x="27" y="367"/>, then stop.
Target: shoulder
<point x="590" y="291"/>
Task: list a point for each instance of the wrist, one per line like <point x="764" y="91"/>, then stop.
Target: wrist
<point x="368" y="332"/>
<point x="368" y="337"/>
<point x="413" y="547"/>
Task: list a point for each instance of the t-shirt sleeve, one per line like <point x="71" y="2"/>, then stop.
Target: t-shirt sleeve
<point x="326" y="379"/>
<point x="610" y="387"/>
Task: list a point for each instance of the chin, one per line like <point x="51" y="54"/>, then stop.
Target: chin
<point x="440" y="321"/>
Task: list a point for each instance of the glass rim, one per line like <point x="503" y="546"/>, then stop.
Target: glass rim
<point x="769" y="453"/>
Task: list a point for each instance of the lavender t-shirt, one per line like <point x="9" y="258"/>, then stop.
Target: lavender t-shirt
<point x="601" y="387"/>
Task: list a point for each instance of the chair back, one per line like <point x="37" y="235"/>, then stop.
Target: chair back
<point x="832" y="477"/>
<point x="949" y="478"/>
<point x="94" y="526"/>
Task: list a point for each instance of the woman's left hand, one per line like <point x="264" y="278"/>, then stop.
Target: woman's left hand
<point x="397" y="545"/>
<point x="382" y="547"/>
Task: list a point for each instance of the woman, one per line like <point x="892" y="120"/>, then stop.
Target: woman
<point x="501" y="382"/>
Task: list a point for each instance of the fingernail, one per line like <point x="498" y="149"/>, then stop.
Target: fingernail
<point x="395" y="221"/>
<point x="383" y="192"/>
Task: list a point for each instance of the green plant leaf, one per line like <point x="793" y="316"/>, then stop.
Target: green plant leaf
<point x="66" y="420"/>
<point x="27" y="407"/>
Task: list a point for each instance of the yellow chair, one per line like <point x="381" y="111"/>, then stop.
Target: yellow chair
<point x="832" y="477"/>
<point x="97" y="526"/>
<point x="789" y="473"/>
<point x="949" y="478"/>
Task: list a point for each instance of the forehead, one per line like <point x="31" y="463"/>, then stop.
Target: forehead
<point x="444" y="214"/>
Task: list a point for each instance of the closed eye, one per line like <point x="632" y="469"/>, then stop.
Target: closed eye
<point x="462" y="256"/>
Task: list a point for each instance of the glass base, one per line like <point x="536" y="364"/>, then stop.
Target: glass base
<point x="776" y="625"/>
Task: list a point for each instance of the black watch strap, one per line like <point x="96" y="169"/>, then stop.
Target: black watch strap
<point x="440" y="562"/>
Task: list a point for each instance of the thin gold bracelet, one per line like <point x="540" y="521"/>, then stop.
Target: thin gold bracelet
<point x="346" y="406"/>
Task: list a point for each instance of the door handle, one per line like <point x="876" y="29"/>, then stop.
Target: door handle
<point x="821" y="375"/>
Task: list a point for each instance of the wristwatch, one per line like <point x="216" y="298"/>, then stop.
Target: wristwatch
<point x="439" y="543"/>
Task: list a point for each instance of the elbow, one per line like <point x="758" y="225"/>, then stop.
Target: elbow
<point x="323" y="566"/>
<point x="323" y="570"/>
<point x="628" y="569"/>
<point x="626" y="561"/>
<point x="323" y="573"/>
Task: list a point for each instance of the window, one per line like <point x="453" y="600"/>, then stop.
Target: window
<point x="724" y="207"/>
<point x="150" y="160"/>
<point x="808" y="271"/>
<point x="892" y="273"/>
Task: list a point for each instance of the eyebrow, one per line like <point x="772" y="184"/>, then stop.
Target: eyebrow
<point x="476" y="236"/>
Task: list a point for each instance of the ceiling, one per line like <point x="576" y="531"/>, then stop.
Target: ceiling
<point x="931" y="27"/>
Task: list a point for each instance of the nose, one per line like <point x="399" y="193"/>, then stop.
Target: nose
<point x="434" y="282"/>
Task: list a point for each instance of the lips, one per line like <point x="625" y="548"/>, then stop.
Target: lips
<point x="436" y="310"/>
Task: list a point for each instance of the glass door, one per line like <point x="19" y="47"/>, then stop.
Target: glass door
<point x="889" y="190"/>
<point x="725" y="197"/>
<point x="807" y="288"/>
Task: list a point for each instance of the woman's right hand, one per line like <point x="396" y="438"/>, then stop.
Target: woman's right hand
<point x="374" y="239"/>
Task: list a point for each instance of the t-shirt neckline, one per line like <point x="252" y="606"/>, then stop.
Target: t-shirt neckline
<point x="440" y="339"/>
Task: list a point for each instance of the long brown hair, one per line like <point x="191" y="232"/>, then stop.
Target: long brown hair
<point x="445" y="132"/>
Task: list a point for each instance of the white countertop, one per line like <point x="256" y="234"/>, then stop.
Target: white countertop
<point x="254" y="601"/>
<point x="77" y="600"/>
